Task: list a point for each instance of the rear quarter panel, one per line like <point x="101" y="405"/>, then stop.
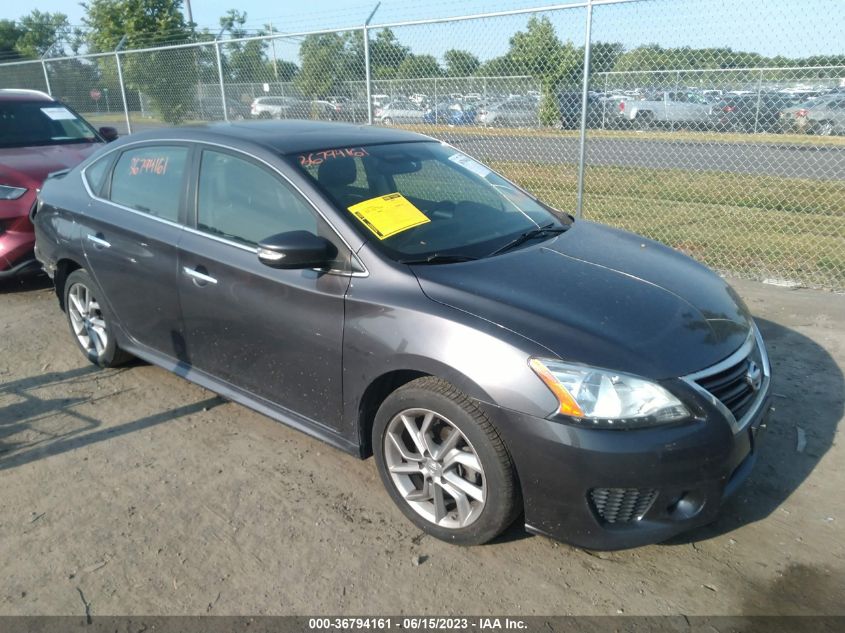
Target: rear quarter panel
<point x="57" y="231"/>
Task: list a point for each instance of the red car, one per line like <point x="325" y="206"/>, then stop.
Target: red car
<point x="38" y="136"/>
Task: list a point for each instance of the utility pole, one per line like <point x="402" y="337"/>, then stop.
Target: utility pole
<point x="273" y="46"/>
<point x="188" y="13"/>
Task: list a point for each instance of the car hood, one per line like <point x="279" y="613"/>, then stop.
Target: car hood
<point x="602" y="297"/>
<point x="29" y="166"/>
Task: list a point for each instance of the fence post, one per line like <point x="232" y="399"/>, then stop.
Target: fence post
<point x="220" y="77"/>
<point x="122" y="86"/>
<point x="46" y="77"/>
<point x="757" y="110"/>
<point x="368" y="76"/>
<point x="368" y="80"/>
<point x="604" y="102"/>
<point x="585" y="89"/>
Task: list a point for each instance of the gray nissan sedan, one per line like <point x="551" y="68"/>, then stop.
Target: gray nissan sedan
<point x="392" y="296"/>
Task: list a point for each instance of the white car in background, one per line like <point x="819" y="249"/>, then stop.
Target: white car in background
<point x="400" y="111"/>
<point x="280" y="108"/>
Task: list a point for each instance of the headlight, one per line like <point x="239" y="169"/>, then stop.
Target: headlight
<point x="11" y="193"/>
<point x="601" y="398"/>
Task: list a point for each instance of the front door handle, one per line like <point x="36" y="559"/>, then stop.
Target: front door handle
<point x="98" y="241"/>
<point x="198" y="276"/>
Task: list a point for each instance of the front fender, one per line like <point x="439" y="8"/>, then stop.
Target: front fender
<point x="395" y="327"/>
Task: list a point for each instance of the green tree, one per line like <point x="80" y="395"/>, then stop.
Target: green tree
<point x="502" y="66"/>
<point x="168" y="78"/>
<point x="604" y="55"/>
<point x="538" y="52"/>
<point x="9" y="36"/>
<point x="42" y="32"/>
<point x="386" y="55"/>
<point x="460" y="63"/>
<point x="244" y="61"/>
<point x="322" y="58"/>
<point x="418" y="67"/>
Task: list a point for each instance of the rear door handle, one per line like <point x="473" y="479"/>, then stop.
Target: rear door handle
<point x="98" y="241"/>
<point x="198" y="276"/>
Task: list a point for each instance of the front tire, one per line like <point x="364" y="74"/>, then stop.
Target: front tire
<point x="444" y="464"/>
<point x="89" y="323"/>
<point x="824" y="128"/>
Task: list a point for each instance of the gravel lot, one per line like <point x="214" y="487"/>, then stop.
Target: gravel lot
<point x="132" y="491"/>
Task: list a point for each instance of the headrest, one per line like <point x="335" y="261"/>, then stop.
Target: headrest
<point x="337" y="172"/>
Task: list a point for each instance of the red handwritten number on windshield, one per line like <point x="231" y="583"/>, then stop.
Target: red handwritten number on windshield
<point x="317" y="158"/>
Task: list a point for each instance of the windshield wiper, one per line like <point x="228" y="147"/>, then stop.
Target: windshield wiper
<point x="437" y="258"/>
<point x="543" y="231"/>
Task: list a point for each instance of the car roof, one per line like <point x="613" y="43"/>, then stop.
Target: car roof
<point x="285" y="137"/>
<point x="19" y="94"/>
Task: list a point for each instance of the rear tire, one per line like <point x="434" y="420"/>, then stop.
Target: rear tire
<point x="89" y="321"/>
<point x="644" y="121"/>
<point x="453" y="477"/>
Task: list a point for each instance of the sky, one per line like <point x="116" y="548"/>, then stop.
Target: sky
<point x="770" y="27"/>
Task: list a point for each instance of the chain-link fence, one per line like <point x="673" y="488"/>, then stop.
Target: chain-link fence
<point x="715" y="126"/>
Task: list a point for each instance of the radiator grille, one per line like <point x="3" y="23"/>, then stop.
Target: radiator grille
<point x="732" y="387"/>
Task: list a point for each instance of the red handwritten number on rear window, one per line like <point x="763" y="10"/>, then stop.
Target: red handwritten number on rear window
<point x="156" y="166"/>
<point x="317" y="158"/>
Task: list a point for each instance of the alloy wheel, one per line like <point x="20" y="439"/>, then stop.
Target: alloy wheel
<point x="435" y="468"/>
<point x="87" y="320"/>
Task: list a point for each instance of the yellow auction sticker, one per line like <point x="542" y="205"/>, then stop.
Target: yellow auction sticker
<point x="388" y="215"/>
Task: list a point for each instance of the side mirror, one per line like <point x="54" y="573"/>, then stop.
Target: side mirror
<point x="296" y="249"/>
<point x="108" y="133"/>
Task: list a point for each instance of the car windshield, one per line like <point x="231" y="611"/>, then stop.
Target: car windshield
<point x="424" y="200"/>
<point x="25" y="123"/>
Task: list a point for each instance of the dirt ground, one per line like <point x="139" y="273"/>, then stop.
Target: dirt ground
<point x="132" y="491"/>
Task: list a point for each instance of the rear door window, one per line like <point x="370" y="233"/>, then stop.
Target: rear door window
<point x="150" y="179"/>
<point x="95" y="174"/>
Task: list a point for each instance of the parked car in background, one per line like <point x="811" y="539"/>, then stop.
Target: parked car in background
<point x="569" y="106"/>
<point x="796" y="119"/>
<point x="827" y="117"/>
<point x="451" y="113"/>
<point x="323" y="110"/>
<point x="399" y="111"/>
<point x="211" y="109"/>
<point x="668" y="108"/>
<point x="439" y="113"/>
<point x="793" y="120"/>
<point x="516" y="112"/>
<point x="388" y="294"/>
<point x="379" y="100"/>
<point x="280" y="108"/>
<point x="350" y="110"/>
<point x="750" y="113"/>
<point x="38" y="136"/>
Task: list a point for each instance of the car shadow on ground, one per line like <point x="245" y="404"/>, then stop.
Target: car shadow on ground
<point x="27" y="283"/>
<point x="809" y="400"/>
<point x="34" y="426"/>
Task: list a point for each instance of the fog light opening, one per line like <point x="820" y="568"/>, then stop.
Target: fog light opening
<point x="685" y="505"/>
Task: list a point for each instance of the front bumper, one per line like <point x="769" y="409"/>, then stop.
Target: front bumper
<point x="611" y="489"/>
<point x="16" y="253"/>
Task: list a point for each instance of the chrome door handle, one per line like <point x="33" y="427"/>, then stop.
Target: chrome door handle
<point x="198" y="275"/>
<point x="98" y="241"/>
